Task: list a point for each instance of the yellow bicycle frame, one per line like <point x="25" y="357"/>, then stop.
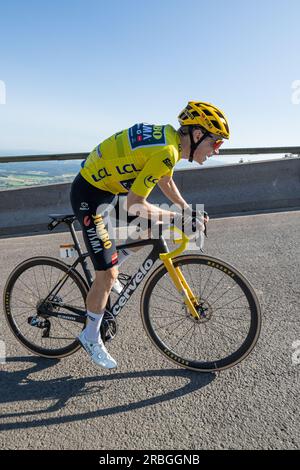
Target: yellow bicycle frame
<point x="176" y="275"/>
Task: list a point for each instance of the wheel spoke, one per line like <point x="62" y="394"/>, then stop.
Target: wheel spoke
<point x="230" y="288"/>
<point x="169" y="293"/>
<point x="215" y="286"/>
<point x="182" y="338"/>
<point x="37" y="287"/>
<point x="28" y="288"/>
<point x="172" y="323"/>
<point x="170" y="314"/>
<point x="169" y="300"/>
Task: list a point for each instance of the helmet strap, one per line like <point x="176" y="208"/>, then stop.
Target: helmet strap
<point x="194" y="144"/>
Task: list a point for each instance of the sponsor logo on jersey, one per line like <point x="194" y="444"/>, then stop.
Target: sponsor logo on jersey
<point x="150" y="181"/>
<point x="101" y="231"/>
<point x="102" y="173"/>
<point x="168" y="163"/>
<point x="146" y="135"/>
<point x="128" y="168"/>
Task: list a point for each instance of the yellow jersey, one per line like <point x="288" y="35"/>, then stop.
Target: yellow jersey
<point x="135" y="158"/>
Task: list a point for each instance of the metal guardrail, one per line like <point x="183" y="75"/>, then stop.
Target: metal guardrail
<point x="41" y="158"/>
<point x="82" y="156"/>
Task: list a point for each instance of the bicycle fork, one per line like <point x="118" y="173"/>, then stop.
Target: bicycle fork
<point x="179" y="280"/>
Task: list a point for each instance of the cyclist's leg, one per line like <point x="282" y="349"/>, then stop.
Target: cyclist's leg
<point x="88" y="205"/>
<point x="106" y="270"/>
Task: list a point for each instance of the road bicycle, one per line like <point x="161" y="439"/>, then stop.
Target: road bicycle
<point x="199" y="312"/>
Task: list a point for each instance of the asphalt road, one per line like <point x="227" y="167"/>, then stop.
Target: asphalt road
<point x="149" y="403"/>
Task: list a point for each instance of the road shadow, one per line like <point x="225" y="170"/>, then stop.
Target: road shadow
<point x="18" y="387"/>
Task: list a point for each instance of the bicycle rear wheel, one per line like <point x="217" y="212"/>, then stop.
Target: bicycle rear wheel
<point x="30" y="311"/>
<point x="229" y="314"/>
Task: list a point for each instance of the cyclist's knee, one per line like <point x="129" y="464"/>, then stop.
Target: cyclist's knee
<point x="108" y="277"/>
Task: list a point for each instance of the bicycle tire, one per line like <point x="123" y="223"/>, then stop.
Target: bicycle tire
<point x="193" y="363"/>
<point x="10" y="316"/>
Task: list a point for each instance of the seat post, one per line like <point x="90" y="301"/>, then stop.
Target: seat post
<point x="74" y="237"/>
<point x="79" y="251"/>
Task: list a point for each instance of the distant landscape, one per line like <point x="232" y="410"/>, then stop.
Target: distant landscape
<point x="16" y="175"/>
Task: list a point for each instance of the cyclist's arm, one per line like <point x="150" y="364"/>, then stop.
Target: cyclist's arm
<point x="159" y="166"/>
<point x="170" y="190"/>
<point x="138" y="205"/>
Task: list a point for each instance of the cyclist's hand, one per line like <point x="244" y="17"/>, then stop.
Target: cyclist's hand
<point x="205" y="217"/>
<point x="200" y="235"/>
<point x="189" y="224"/>
<point x="200" y="214"/>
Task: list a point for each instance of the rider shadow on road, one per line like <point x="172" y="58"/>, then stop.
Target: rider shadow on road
<point x="17" y="387"/>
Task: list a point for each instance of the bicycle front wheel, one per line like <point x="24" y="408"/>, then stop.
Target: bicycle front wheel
<point x="37" y="291"/>
<point x="229" y="314"/>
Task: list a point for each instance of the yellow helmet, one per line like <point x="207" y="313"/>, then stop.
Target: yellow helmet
<point x="206" y="115"/>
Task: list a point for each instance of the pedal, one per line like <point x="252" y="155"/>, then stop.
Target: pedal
<point x="108" y="329"/>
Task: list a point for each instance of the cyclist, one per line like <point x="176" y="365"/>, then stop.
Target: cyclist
<point x="132" y="162"/>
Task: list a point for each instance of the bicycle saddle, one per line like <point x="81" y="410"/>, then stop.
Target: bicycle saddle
<point x="63" y="217"/>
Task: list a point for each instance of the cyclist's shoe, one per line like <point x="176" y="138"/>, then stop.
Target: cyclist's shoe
<point x="117" y="287"/>
<point x="97" y="352"/>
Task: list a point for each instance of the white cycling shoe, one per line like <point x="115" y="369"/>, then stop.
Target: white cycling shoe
<point x="98" y="352"/>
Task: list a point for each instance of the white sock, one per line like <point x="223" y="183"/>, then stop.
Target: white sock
<point x="92" y="329"/>
<point x="123" y="255"/>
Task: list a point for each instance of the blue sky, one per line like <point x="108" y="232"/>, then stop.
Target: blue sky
<point x="76" y="71"/>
